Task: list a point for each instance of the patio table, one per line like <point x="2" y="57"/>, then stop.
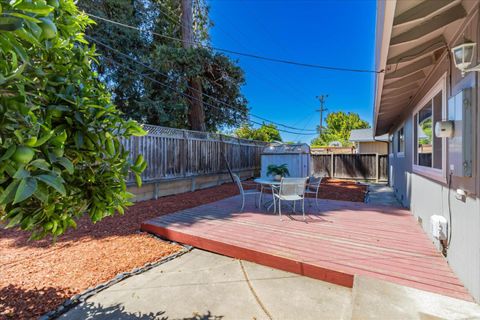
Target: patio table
<point x="268" y="183"/>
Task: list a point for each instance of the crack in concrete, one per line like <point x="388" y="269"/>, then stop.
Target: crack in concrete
<point x="254" y="293"/>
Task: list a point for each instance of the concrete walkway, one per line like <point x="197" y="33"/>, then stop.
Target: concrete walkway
<point x="381" y="194"/>
<point x="205" y="286"/>
<point x="202" y="285"/>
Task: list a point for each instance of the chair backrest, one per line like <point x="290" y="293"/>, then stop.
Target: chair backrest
<point x="314" y="183"/>
<point x="292" y="186"/>
<point x="238" y="182"/>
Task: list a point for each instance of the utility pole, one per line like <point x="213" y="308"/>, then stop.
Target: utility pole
<point x="197" y="113"/>
<point x="322" y="99"/>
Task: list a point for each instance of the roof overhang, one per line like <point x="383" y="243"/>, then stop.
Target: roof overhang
<point x="411" y="37"/>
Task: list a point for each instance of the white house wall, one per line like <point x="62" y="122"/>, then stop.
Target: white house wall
<point x="430" y="198"/>
<point x="426" y="196"/>
<point x="402" y="166"/>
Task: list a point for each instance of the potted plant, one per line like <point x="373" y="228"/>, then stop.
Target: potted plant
<point x="277" y="171"/>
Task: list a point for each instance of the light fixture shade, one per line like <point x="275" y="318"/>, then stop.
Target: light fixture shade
<point x="463" y="55"/>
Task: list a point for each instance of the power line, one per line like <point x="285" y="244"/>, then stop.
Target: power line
<point x="238" y="32"/>
<point x="286" y="83"/>
<point x="227" y="79"/>
<point x="309" y="119"/>
<point x="204" y="94"/>
<point x="187" y="95"/>
<point x="250" y="55"/>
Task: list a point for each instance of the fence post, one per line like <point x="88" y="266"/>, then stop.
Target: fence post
<point x="332" y="166"/>
<point x="377" y="168"/>
<point x="185" y="154"/>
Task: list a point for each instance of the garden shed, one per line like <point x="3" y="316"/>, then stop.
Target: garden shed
<point x="295" y="156"/>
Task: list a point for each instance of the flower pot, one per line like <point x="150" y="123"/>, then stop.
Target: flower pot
<point x="277" y="177"/>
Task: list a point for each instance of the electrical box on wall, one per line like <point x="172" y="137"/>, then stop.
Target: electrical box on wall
<point x="439" y="227"/>
<point x="460" y="142"/>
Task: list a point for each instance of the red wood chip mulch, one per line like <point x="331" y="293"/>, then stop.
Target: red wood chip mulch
<point x="36" y="277"/>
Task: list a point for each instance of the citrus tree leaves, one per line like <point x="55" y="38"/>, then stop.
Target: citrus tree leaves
<point x="54" y="182"/>
<point x="61" y="154"/>
<point x="34" y="7"/>
<point x="10" y="23"/>
<point x="26" y="188"/>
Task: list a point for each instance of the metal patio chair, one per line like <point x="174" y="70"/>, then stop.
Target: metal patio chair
<point x="290" y="189"/>
<point x="313" y="186"/>
<point x="245" y="193"/>
<point x="264" y="189"/>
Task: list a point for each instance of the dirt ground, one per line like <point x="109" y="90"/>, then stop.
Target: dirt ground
<point x="37" y="276"/>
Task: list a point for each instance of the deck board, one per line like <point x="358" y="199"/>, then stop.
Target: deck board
<point x="335" y="243"/>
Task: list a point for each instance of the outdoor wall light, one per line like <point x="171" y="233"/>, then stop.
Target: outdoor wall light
<point x="463" y="56"/>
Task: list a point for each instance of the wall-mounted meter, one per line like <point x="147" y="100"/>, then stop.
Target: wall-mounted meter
<point x="460" y="143"/>
<point x="444" y="129"/>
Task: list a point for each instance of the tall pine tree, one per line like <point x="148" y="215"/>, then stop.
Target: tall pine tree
<point x="164" y="101"/>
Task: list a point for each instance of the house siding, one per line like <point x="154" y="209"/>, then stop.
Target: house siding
<point x="425" y="196"/>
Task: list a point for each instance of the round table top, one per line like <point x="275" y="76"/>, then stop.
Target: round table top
<point x="269" y="181"/>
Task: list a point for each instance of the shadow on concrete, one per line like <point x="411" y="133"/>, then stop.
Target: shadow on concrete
<point x="90" y="311"/>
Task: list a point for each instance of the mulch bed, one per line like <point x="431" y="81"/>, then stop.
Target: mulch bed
<point x="38" y="276"/>
<point x="345" y="190"/>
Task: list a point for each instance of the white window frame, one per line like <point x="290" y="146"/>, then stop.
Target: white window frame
<point x="400" y="154"/>
<point x="432" y="173"/>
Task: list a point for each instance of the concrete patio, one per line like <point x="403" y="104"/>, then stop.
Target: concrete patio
<point x="205" y="286"/>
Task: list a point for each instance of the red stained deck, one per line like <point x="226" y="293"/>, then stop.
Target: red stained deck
<point x="336" y="242"/>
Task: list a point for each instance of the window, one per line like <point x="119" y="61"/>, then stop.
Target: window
<point x="400" y="142"/>
<point x="428" y="150"/>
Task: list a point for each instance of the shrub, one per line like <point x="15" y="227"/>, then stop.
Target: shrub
<point x="60" y="150"/>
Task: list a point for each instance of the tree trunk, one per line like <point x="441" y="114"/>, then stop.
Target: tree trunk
<point x="197" y="113"/>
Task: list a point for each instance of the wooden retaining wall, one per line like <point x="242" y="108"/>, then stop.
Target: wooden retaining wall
<point x="182" y="160"/>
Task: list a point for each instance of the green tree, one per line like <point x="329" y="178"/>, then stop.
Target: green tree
<point x="338" y="127"/>
<point x="426" y="127"/>
<point x="163" y="101"/>
<point x="266" y="132"/>
<point x="60" y="153"/>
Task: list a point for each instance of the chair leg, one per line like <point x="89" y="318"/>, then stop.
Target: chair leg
<point x="274" y="205"/>
<point x="280" y="208"/>
<point x="260" y="198"/>
<point x="303" y="208"/>
<point x="294" y="203"/>
<point x="243" y="203"/>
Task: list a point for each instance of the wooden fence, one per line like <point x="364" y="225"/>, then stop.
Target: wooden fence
<point x="175" y="153"/>
<point x="351" y="166"/>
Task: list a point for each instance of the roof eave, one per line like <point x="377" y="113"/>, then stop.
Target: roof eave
<point x="384" y="26"/>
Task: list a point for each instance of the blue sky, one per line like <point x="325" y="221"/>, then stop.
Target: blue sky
<point x="337" y="33"/>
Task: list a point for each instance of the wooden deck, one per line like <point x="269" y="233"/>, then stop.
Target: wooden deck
<point x="340" y="240"/>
